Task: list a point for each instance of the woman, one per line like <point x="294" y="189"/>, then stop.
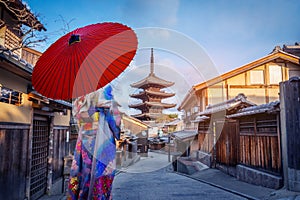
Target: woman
<point x="93" y="166"/>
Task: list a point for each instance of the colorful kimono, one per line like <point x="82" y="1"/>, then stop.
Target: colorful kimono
<point x="98" y="118"/>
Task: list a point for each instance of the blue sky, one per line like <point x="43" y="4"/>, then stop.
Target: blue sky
<point x="231" y="32"/>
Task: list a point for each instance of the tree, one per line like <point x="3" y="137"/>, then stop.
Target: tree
<point x="23" y="23"/>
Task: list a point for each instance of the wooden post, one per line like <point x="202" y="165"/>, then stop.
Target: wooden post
<point x="290" y="137"/>
<point x="50" y="154"/>
<point x="214" y="145"/>
<point x="29" y="158"/>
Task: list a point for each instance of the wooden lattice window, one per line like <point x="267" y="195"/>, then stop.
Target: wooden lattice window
<point x="10" y="96"/>
<point x="266" y="124"/>
<point x="263" y="124"/>
<point x="247" y="125"/>
<point x="203" y="126"/>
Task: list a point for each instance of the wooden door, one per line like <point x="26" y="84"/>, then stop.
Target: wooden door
<point x="39" y="158"/>
<point x="227" y="143"/>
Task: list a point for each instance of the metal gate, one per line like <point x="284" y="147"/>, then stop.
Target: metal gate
<point x="39" y="162"/>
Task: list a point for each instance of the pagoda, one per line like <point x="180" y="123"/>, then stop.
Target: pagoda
<point x="151" y="95"/>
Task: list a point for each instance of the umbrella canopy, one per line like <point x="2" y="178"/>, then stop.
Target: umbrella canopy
<point x="84" y="60"/>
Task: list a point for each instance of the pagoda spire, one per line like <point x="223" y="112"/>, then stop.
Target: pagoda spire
<point x="151" y="95"/>
<point x="152" y="62"/>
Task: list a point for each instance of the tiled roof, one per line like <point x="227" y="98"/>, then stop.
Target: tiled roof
<point x="174" y="122"/>
<point x="135" y="120"/>
<point x="292" y="49"/>
<point x="143" y="116"/>
<point x="185" y="134"/>
<point x="15" y="59"/>
<point x="154" y="93"/>
<point x="149" y="104"/>
<point x="239" y="101"/>
<point x="153" y="80"/>
<point x="271" y="107"/>
<point x="201" y="118"/>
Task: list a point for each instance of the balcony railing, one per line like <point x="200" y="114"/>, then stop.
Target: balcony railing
<point x="11" y="41"/>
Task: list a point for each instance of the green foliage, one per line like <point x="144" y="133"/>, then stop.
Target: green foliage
<point x="173" y="116"/>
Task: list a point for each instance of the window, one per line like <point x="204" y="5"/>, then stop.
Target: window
<point x="195" y="109"/>
<point x="256" y="77"/>
<point x="275" y="74"/>
<point x="10" y="96"/>
<point x="262" y="124"/>
<point x="247" y="126"/>
<point x="266" y="124"/>
<point x="203" y="126"/>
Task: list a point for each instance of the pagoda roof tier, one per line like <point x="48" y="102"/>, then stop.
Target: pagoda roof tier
<point x="145" y="93"/>
<point x="151" y="79"/>
<point x="150" y="104"/>
<point x="146" y="116"/>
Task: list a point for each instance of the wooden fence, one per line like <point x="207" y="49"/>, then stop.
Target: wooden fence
<point x="59" y="151"/>
<point x="14" y="141"/>
<point x="205" y="137"/>
<point x="259" y="142"/>
<point x="224" y="135"/>
<point x="252" y="141"/>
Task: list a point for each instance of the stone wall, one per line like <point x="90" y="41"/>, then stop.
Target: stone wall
<point x="294" y="179"/>
<point x="205" y="158"/>
<point x="257" y="177"/>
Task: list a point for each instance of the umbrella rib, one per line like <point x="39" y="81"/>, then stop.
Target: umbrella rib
<point x="103" y="71"/>
<point x="119" y="60"/>
<point x="47" y="63"/>
<point x="47" y="73"/>
<point x="96" y="71"/>
<point x="79" y="53"/>
<point x="85" y="86"/>
<point x="68" y="82"/>
<point x="58" y="80"/>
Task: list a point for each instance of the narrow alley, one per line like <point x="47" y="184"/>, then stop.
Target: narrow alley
<point x="153" y="178"/>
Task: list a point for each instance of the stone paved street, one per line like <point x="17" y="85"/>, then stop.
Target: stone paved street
<point x="153" y="178"/>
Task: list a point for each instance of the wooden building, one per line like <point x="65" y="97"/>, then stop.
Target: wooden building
<point x="186" y="142"/>
<point x="151" y="95"/>
<point x="33" y="129"/>
<point x="217" y="134"/>
<point x="258" y="145"/>
<point x="173" y="126"/>
<point x="243" y="140"/>
<point x="14" y="15"/>
<point x="132" y="125"/>
<point x="292" y="49"/>
<point x="258" y="80"/>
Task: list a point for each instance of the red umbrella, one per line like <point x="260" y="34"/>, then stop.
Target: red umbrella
<point x="84" y="60"/>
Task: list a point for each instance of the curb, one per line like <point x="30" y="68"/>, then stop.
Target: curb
<point x="220" y="187"/>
